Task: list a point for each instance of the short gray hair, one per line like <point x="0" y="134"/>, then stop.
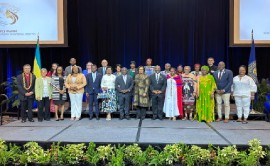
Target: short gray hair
<point x="44" y="69"/>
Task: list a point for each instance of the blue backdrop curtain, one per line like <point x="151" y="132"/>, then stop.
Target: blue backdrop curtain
<point x="175" y="31"/>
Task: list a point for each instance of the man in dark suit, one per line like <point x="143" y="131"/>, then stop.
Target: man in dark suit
<point x="212" y="67"/>
<point x="92" y="89"/>
<point x="68" y="70"/>
<point x="26" y="87"/>
<point x="103" y="68"/>
<point x="224" y="81"/>
<point x="124" y="84"/>
<point x="158" y="85"/>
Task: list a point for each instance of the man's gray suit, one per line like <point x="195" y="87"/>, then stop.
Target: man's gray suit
<point x="124" y="98"/>
<point x="157" y="99"/>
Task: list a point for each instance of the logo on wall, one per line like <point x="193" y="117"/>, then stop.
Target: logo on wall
<point x="8" y="14"/>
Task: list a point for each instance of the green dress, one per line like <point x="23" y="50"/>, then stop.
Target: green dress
<point x="205" y="104"/>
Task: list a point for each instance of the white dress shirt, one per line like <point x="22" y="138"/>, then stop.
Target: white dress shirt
<point x="157" y="76"/>
<point x="220" y="73"/>
<point x="125" y="78"/>
<point x="244" y="86"/>
<point x="45" y="88"/>
<point x="108" y="81"/>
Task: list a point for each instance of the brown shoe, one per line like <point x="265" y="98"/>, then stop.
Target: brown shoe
<point x="218" y="120"/>
<point x="239" y="120"/>
<point x="226" y="121"/>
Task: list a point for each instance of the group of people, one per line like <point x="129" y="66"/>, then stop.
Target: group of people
<point x="177" y="92"/>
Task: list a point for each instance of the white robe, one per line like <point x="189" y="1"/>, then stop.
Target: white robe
<point x="171" y="105"/>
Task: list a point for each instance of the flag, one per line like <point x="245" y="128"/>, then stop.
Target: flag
<point x="37" y="61"/>
<point x="252" y="67"/>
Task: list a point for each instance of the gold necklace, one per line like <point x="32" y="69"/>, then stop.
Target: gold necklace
<point x="24" y="84"/>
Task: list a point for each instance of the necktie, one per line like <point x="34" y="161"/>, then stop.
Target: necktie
<point x="125" y="79"/>
<point x="220" y="75"/>
<point x="94" y="77"/>
<point x="104" y="70"/>
<point x="157" y="77"/>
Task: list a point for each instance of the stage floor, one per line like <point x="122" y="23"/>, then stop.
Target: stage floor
<point x="136" y="131"/>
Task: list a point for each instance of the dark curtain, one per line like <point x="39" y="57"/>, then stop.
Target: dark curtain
<point x="175" y="31"/>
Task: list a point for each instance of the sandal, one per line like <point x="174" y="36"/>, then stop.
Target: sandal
<point x="239" y="120"/>
<point x="244" y="122"/>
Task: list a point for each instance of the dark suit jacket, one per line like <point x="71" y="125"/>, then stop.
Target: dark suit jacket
<point x="160" y="85"/>
<point x="21" y="89"/>
<point x="100" y="70"/>
<point x="212" y="69"/>
<point x="68" y="70"/>
<point x="120" y="84"/>
<point x="93" y="87"/>
<point x="225" y="82"/>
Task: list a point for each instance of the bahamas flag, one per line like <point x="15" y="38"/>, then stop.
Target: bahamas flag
<point x="37" y="61"/>
<point x="252" y="67"/>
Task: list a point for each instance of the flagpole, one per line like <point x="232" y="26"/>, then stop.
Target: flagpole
<point x="252" y="111"/>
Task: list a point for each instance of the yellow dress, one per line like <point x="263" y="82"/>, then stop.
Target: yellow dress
<point x="205" y="104"/>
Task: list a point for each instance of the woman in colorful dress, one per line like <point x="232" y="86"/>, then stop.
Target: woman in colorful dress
<point x="52" y="73"/>
<point x="189" y="92"/>
<point x="173" y="97"/>
<point x="205" y="103"/>
<point x="141" y="93"/>
<point x="59" y="95"/>
<point x="108" y="86"/>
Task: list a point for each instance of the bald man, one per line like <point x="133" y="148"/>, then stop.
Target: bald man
<point x="68" y="69"/>
<point x="224" y="80"/>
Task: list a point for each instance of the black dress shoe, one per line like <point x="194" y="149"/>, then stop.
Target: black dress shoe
<point x="31" y="120"/>
<point x="127" y="117"/>
<point x="154" y="118"/>
<point x="23" y="121"/>
<point x="91" y="117"/>
<point x="160" y="118"/>
<point x="97" y="118"/>
<point x="121" y="118"/>
<point x="142" y="118"/>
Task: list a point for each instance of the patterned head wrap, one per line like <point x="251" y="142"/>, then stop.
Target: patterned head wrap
<point x="205" y="68"/>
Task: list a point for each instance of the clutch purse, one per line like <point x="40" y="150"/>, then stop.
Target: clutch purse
<point x="103" y="96"/>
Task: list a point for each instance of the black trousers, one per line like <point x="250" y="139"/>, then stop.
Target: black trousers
<point x="44" y="103"/>
<point x="124" y="100"/>
<point x="93" y="100"/>
<point x="141" y="112"/>
<point x="157" y="105"/>
<point x="27" y="105"/>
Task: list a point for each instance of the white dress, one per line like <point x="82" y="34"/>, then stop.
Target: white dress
<point x="171" y="105"/>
